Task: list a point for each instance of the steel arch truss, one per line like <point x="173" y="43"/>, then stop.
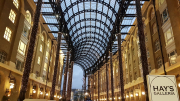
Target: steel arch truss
<point x="90" y="27"/>
<point x="90" y="23"/>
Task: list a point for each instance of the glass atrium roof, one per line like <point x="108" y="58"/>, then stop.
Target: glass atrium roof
<point x="90" y="24"/>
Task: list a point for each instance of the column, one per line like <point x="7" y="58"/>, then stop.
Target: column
<point x="107" y="91"/>
<point x="142" y="46"/>
<point x="30" y="52"/>
<point x="111" y="69"/>
<point x="120" y="68"/>
<point x="55" y="68"/>
<point x="85" y="81"/>
<point x="70" y="82"/>
<point x="98" y="86"/>
<point x="93" y="86"/>
<point x="65" y="77"/>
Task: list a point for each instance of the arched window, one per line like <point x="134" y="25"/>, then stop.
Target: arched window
<point x="16" y="3"/>
<point x="28" y="16"/>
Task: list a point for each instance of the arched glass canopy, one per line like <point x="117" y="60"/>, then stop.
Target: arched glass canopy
<point x="89" y="26"/>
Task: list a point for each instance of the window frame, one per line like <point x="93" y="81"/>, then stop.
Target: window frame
<point x="22" y="51"/>
<point x="159" y="60"/>
<point x="171" y="39"/>
<point x="157" y="45"/>
<point x="40" y="48"/>
<point x="167" y="18"/>
<point x="16" y="3"/>
<point x="12" y="16"/>
<point x="39" y="60"/>
<point x="7" y="34"/>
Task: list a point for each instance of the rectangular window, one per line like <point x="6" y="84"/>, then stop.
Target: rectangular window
<point x="19" y="65"/>
<point x="172" y="57"/>
<point x="159" y="62"/>
<point x="157" y="47"/>
<point x="25" y="32"/>
<point x="169" y="36"/>
<point x="45" y="66"/>
<point x="165" y="15"/>
<point x="40" y="48"/>
<point x="39" y="60"/>
<point x="22" y="47"/>
<point x="12" y="16"/>
<point x="146" y="38"/>
<point x="7" y="34"/>
<point x="2" y="56"/>
<point x="148" y="54"/>
<point x="16" y="3"/>
<point x="47" y="55"/>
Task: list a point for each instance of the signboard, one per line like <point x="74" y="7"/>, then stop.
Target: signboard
<point x="162" y="88"/>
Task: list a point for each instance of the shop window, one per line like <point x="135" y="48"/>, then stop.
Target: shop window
<point x="157" y="46"/>
<point x="22" y="47"/>
<point x="154" y="28"/>
<point x="165" y="15"/>
<point x="7" y="34"/>
<point x="40" y="48"/>
<point x="19" y="65"/>
<point x="172" y="57"/>
<point x="3" y="56"/>
<point x="159" y="62"/>
<point x="169" y="36"/>
<point x="16" y="3"/>
<point x="12" y="16"/>
<point x="39" y="60"/>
